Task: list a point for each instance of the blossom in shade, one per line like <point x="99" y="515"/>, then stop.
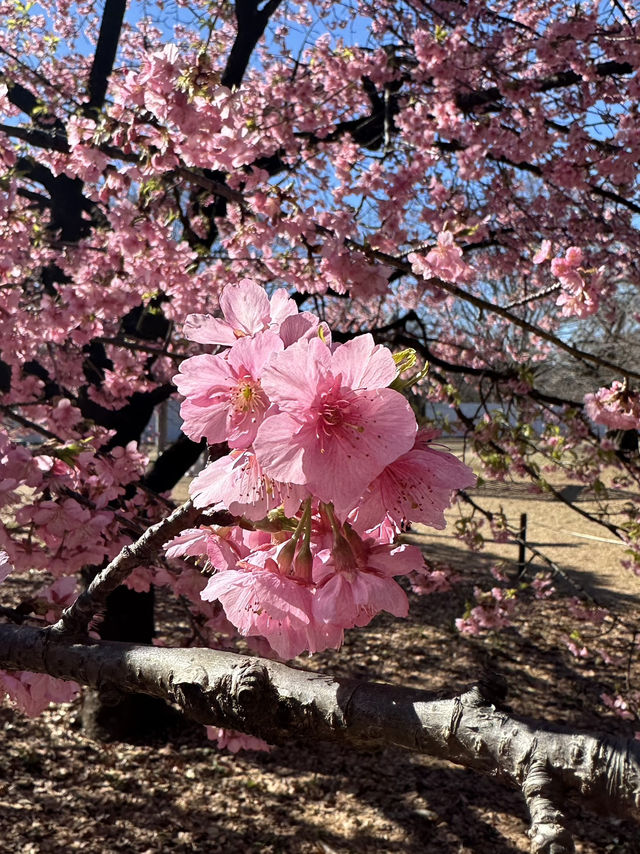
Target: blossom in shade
<point x="33" y="692"/>
<point x="261" y="600"/>
<point x="616" y="407"/>
<point x="5" y="565"/>
<point x="234" y="741"/>
<point x="237" y="483"/>
<point x="338" y="425"/>
<point x="246" y="310"/>
<point x="224" y="397"/>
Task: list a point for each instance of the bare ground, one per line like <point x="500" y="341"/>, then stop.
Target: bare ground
<point x="60" y="791"/>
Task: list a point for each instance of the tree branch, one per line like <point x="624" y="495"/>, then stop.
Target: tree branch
<point x="105" y="54"/>
<point x="467" y="102"/>
<point x="480" y="302"/>
<point x="252" y="22"/>
<point x="549" y="833"/>
<point x="77" y="617"/>
<point x="277" y="702"/>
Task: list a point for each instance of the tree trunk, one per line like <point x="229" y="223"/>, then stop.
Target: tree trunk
<point x="108" y="714"/>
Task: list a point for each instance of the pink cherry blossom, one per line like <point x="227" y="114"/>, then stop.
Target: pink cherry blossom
<point x="581" y="289"/>
<point x="224" y="397"/>
<point x="417" y="487"/>
<point x="260" y="601"/>
<point x="34" y="692"/>
<point x="493" y="611"/>
<point x="543" y="252"/>
<point x="336" y="416"/>
<point x="236" y="483"/>
<point x="355" y="581"/>
<point x="234" y="741"/>
<point x="190" y="542"/>
<point x="445" y="260"/>
<point x="246" y="309"/>
<point x="615" y="407"/>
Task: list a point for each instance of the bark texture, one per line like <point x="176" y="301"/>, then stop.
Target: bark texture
<point x="277" y="702"/>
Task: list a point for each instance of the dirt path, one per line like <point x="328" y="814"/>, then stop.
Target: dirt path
<point x="589" y="554"/>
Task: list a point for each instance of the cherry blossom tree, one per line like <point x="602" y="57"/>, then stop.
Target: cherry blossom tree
<point x="304" y="222"/>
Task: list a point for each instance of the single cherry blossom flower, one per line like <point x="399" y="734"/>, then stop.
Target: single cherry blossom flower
<point x="224" y="397"/>
<point x="417" y="487"/>
<point x="355" y="580"/>
<point x="445" y="260"/>
<point x="246" y="309"/>
<point x="258" y="600"/>
<point x="338" y="425"/>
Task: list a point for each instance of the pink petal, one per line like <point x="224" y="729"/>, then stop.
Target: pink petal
<point x="363" y="363"/>
<point x="245" y="307"/>
<point x="399" y="561"/>
<point x="252" y="354"/>
<point x="333" y="602"/>
<point x="209" y="421"/>
<point x="279" y="449"/>
<point x="206" y="329"/>
<point x="292" y="378"/>
<point x="200" y="375"/>
<point x="282" y="306"/>
<point x="303" y="325"/>
<point x="543" y="253"/>
<point x="192" y="541"/>
<point x="375" y="594"/>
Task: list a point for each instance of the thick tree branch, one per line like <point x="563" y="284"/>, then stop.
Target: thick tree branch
<point x="276" y="702"/>
<point x="252" y="18"/>
<point x="467" y="102"/>
<point x="110" y="27"/>
<point x="50" y="140"/>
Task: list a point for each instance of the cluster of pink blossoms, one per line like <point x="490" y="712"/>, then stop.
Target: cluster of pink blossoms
<point x="326" y="465"/>
<point x="580" y="294"/>
<point x="617" y="407"/>
<point x="445" y="261"/>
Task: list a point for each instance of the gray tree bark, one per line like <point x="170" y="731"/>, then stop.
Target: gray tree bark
<point x="277" y="702"/>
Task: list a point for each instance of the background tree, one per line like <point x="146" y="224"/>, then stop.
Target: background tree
<point x="459" y="179"/>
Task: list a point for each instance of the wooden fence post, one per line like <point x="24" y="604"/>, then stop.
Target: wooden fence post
<point x="522" y="543"/>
